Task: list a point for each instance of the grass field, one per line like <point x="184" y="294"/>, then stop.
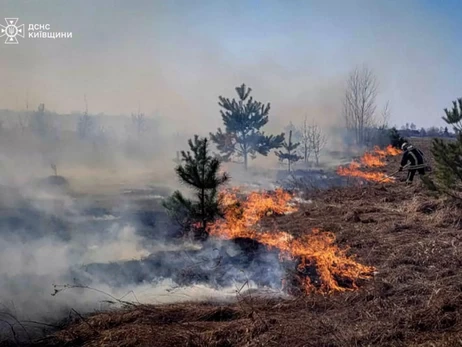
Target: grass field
<point x="412" y="238"/>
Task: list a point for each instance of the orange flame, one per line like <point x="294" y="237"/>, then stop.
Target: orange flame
<point x="353" y="171"/>
<point x="390" y="150"/>
<point x="370" y="159"/>
<point x="241" y="220"/>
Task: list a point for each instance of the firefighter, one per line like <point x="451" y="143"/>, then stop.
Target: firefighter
<point x="413" y="160"/>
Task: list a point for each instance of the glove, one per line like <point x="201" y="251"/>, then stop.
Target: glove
<point x="400" y="169"/>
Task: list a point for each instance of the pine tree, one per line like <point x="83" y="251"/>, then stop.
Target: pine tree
<point x="199" y="171"/>
<point x="243" y="121"/>
<point x="448" y="155"/>
<point x="454" y="116"/>
<point x="396" y="140"/>
<point x="290" y="154"/>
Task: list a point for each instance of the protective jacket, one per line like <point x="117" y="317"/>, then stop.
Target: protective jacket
<point x="414" y="157"/>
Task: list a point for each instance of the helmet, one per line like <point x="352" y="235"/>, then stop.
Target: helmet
<point x="404" y="146"/>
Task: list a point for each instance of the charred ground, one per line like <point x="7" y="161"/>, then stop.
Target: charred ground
<point x="412" y="238"/>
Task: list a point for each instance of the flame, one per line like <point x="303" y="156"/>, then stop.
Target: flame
<point x="241" y="220"/>
<point x="353" y="171"/>
<point x="370" y="159"/>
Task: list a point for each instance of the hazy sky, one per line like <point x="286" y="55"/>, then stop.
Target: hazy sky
<point x="177" y="57"/>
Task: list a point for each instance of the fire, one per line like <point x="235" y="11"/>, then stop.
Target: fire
<point x="240" y="217"/>
<point x="241" y="220"/>
<point x="353" y="171"/>
<point x="370" y="159"/>
<point x="389" y="150"/>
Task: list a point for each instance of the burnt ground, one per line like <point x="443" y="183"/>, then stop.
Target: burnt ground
<point x="414" y="240"/>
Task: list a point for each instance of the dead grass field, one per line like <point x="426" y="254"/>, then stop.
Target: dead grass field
<point x="415" y="299"/>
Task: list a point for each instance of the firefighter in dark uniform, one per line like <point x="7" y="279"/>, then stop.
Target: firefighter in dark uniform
<point x="414" y="161"/>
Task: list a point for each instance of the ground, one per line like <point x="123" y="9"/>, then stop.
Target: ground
<point x="411" y="237"/>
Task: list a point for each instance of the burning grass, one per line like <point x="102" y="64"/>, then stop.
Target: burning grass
<point x="415" y="299"/>
<point x="373" y="159"/>
<point x="322" y="266"/>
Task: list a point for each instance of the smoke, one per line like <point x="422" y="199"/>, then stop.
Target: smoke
<point x="97" y="220"/>
<point x="28" y="272"/>
<point x="172" y="60"/>
<point x="97" y="250"/>
<point x="177" y="57"/>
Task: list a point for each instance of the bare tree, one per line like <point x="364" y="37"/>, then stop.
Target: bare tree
<point x="305" y="140"/>
<point x="376" y="132"/>
<point x="359" y="104"/>
<point x="318" y="140"/>
<point x="385" y="116"/>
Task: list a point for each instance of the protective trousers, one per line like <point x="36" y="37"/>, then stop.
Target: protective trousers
<point x="411" y="174"/>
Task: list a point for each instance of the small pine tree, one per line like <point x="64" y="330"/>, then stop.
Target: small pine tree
<point x="290" y="152"/>
<point x="199" y="171"/>
<point x="448" y="155"/>
<point x="396" y="140"/>
<point x="454" y="116"/>
<point x="243" y="120"/>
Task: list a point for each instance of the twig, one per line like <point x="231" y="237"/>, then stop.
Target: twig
<point x="67" y="286"/>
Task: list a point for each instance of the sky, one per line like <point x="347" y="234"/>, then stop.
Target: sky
<point x="176" y="57"/>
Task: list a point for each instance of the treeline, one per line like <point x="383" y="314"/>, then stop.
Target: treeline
<point x="410" y="130"/>
<point x="43" y="123"/>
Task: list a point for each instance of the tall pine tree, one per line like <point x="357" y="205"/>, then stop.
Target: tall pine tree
<point x="448" y="154"/>
<point x="199" y="171"/>
<point x="290" y="153"/>
<point x="243" y="121"/>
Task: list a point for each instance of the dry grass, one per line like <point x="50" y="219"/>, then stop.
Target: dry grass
<point x="415" y="299"/>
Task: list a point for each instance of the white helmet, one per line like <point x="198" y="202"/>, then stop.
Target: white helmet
<point x="404" y="146"/>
